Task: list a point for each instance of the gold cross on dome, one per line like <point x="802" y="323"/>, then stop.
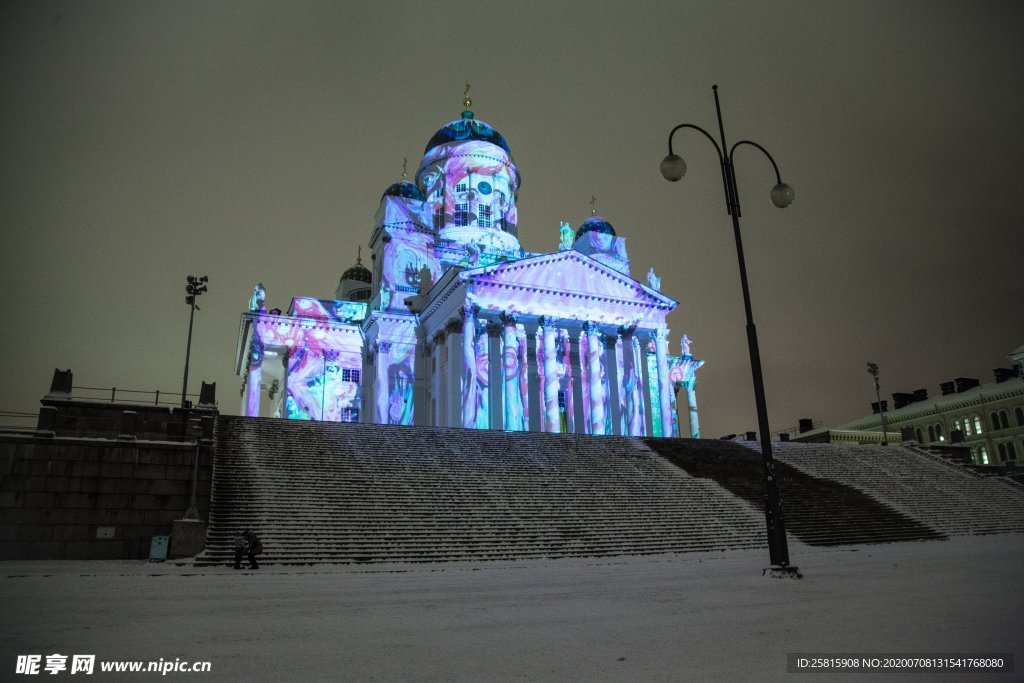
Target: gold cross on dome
<point x="466" y="102"/>
<point x="405" y="175"/>
<point x="593" y="203"/>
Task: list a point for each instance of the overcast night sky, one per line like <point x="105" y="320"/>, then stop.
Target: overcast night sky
<point x="251" y="141"/>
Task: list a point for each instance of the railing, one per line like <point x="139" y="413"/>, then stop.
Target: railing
<point x="11" y="419"/>
<point x="115" y="395"/>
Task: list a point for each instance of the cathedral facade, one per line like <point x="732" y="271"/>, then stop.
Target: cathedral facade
<point x="456" y="325"/>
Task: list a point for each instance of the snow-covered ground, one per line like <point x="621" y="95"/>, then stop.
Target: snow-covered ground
<point x="689" y="617"/>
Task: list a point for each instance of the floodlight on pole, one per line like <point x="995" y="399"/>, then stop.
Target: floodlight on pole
<point x="873" y="371"/>
<point x="194" y="289"/>
<point x="673" y="168"/>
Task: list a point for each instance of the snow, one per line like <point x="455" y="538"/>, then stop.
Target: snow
<point x="695" y="616"/>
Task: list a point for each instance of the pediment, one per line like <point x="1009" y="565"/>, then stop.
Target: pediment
<point x="562" y="282"/>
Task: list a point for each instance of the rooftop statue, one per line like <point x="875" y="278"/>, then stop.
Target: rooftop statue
<point x="259" y="297"/>
<point x="653" y="280"/>
<point x="566" y="233"/>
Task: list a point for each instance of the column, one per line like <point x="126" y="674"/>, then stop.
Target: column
<point x="645" y="391"/>
<point x="690" y="367"/>
<point x="255" y="372"/>
<point x="481" y="352"/>
<point x="533" y="354"/>
<point x="594" y="350"/>
<point x="453" y="373"/>
<point x="574" y="373"/>
<point x="382" y="358"/>
<point x="495" y="381"/>
<point x="286" y="356"/>
<point x="664" y="385"/>
<point x="611" y="368"/>
<point x="539" y="405"/>
<point x="524" y="376"/>
<point x="549" y="332"/>
<point x="510" y="374"/>
<point x="470" y="386"/>
<point x="438" y="357"/>
<point x="632" y="414"/>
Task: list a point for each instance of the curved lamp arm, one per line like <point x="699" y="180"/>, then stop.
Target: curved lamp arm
<point x="698" y="128"/>
<point x="732" y="153"/>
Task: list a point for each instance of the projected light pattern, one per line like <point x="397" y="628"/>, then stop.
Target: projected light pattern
<point x="406" y="263"/>
<point x="328" y="310"/>
<point x="471" y="190"/>
<point x="560" y="342"/>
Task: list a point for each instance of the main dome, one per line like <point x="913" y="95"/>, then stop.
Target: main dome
<point x="467" y="128"/>
<point x="595" y="224"/>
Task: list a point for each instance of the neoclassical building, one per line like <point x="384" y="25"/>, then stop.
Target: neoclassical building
<point x="456" y="325"/>
<point x="986" y="418"/>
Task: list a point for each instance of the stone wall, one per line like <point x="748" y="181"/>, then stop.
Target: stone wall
<point x="89" y="498"/>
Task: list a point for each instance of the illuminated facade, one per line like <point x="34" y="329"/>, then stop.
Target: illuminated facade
<point x="456" y="325"/>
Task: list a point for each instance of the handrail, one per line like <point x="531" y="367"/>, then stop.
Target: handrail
<point x="114" y="392"/>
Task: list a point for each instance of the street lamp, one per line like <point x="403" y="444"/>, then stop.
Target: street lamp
<point x="873" y="371"/>
<point x="673" y="168"/>
<point x="195" y="287"/>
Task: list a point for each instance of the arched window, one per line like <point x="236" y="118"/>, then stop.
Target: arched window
<point x="1019" y="414"/>
<point x="982" y="455"/>
<point x="931" y="433"/>
<point x="1004" y="422"/>
<point x="1002" y="451"/>
<point x="938" y="431"/>
<point x="968" y="428"/>
<point x="1011" y="451"/>
<point x="994" y="419"/>
<point x="977" y="424"/>
<point x="918" y="434"/>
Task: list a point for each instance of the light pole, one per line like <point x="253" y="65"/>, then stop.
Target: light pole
<point x="673" y="168"/>
<point x="873" y="371"/>
<point x="195" y="287"/>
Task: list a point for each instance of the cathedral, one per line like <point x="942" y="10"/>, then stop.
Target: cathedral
<point x="455" y="325"/>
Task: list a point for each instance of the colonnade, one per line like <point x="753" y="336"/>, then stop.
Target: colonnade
<point x="539" y="373"/>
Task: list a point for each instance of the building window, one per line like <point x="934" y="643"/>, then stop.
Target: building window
<point x="1019" y="414"/>
<point x="977" y="424"/>
<point x="1002" y="451"/>
<point x="966" y="422"/>
<point x="462" y="214"/>
<point x="461" y="187"/>
<point x="931" y="433"/>
<point x="982" y="455"/>
<point x="438" y="216"/>
<point x="349" y="415"/>
<point x="993" y="417"/>
<point x="483" y="218"/>
<point x="350" y="375"/>
<point x="918" y="434"/>
<point x="1011" y="451"/>
<point x="1004" y="423"/>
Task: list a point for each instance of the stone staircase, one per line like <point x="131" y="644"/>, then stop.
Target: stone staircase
<point x="320" y="492"/>
<point x="933" y="490"/>
<point x="818" y="509"/>
<point x="360" y="493"/>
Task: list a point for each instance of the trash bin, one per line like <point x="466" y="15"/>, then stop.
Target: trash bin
<point x="158" y="548"/>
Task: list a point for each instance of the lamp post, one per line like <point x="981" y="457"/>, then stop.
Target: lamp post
<point x="673" y="168"/>
<point x="873" y="371"/>
<point x="195" y="287"/>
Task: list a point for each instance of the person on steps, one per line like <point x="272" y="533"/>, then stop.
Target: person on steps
<point x="239" y="549"/>
<point x="253" y="547"/>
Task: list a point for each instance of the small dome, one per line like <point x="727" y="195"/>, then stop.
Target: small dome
<point x="404" y="188"/>
<point x="357" y="272"/>
<point x="467" y="128"/>
<point x="595" y="224"/>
